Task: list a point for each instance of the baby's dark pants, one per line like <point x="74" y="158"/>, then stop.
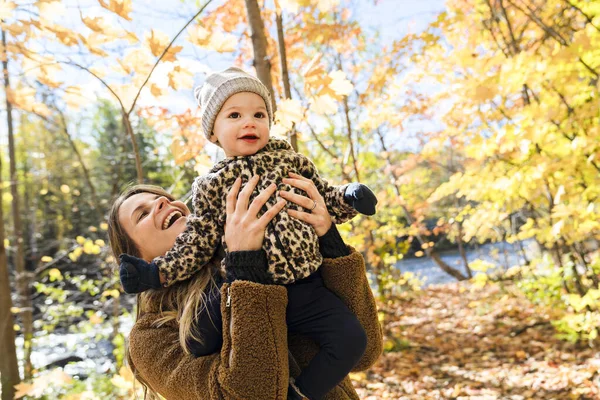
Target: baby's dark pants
<point x="317" y="313"/>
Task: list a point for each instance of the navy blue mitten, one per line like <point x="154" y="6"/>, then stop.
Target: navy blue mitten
<point x="361" y="198"/>
<point x="138" y="275"/>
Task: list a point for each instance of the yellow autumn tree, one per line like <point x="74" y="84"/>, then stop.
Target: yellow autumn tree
<point x="513" y="89"/>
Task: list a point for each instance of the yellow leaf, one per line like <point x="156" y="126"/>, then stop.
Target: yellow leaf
<point x="6" y="242"/>
<point x="55" y="275"/>
<point x="120" y="7"/>
<point x="126" y="93"/>
<point x="96" y="24"/>
<point x="212" y="40"/>
<point x="50" y="8"/>
<point x="90" y="248"/>
<point x="559" y="193"/>
<point x="6" y="8"/>
<point x="156" y="90"/>
<point x="419" y="253"/>
<point x="100" y="242"/>
<point x="324" y="104"/>
<point x="7" y="197"/>
<point x="80" y="239"/>
<point x="111" y="293"/>
<point x="104" y="226"/>
<point x="93" y="43"/>
<point x="74" y="97"/>
<point x="75" y="254"/>
<point x="289" y="112"/>
<point x="65" y="189"/>
<point x="327" y="6"/>
<point x="198" y="35"/>
<point x="137" y="60"/>
<point x="339" y="84"/>
<point x="23" y="389"/>
<point x="483" y="93"/>
<point x="95" y="319"/>
<point x="171" y="53"/>
<point x="46" y="259"/>
<point x="291" y="6"/>
<point x="180" y="78"/>
<point x="223" y="43"/>
<point x="15" y="29"/>
<point x="24" y="98"/>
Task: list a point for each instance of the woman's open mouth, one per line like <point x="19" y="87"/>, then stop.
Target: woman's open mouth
<point x="171" y="218"/>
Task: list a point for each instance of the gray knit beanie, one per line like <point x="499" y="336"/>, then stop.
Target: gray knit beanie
<point x="220" y="86"/>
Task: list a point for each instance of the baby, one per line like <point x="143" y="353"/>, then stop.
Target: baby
<point x="236" y="115"/>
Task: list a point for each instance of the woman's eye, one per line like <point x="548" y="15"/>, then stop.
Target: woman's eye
<point x="142" y="215"/>
<point x="259" y="115"/>
<point x="235" y="115"/>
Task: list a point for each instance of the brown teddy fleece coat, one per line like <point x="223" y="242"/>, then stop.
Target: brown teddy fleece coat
<point x="253" y="363"/>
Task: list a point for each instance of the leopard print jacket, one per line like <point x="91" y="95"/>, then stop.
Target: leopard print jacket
<point x="291" y="245"/>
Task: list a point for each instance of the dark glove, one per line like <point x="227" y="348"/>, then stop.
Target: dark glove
<point x="361" y="198"/>
<point x="138" y="275"/>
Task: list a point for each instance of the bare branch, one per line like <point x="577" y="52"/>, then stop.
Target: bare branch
<point x="163" y="54"/>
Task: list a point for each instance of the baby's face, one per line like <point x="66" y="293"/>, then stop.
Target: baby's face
<point x="242" y="125"/>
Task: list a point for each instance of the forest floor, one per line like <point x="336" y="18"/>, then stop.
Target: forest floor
<point x="456" y="341"/>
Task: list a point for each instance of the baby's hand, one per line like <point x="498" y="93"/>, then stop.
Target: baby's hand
<point x="138" y="275"/>
<point x="361" y="198"/>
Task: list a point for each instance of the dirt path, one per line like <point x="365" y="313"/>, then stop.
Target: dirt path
<point x="456" y="342"/>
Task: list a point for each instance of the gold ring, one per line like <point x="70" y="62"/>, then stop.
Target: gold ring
<point x="314" y="205"/>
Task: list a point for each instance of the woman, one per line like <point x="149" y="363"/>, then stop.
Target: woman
<point x="253" y="361"/>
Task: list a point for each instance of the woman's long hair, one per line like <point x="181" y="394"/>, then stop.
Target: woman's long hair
<point x="180" y="303"/>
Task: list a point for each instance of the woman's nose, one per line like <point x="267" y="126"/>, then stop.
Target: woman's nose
<point x="160" y="203"/>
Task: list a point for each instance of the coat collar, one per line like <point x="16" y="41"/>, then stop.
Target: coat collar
<point x="273" y="145"/>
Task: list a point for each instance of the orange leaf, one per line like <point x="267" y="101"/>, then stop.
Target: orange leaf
<point x="157" y="42"/>
<point x="120" y="7"/>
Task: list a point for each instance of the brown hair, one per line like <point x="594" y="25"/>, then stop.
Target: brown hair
<point x="181" y="302"/>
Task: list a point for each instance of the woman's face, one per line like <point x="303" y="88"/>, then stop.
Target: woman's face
<point x="152" y="222"/>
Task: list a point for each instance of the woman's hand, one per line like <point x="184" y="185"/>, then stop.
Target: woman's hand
<point x="244" y="231"/>
<point x="316" y="213"/>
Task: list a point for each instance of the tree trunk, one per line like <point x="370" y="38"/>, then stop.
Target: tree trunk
<point x="285" y="76"/>
<point x="9" y="367"/>
<point x="136" y="151"/>
<point x="461" y="250"/>
<point x="21" y="275"/>
<point x="262" y="62"/>
<point x="86" y="173"/>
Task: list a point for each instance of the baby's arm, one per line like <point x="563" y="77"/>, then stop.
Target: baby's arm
<point x="341" y="201"/>
<point x="197" y="244"/>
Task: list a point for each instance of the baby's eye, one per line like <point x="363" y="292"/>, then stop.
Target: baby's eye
<point x="235" y="115"/>
<point x="259" y="115"/>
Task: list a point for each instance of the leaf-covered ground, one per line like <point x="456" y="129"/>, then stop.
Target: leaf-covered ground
<point x="457" y="342"/>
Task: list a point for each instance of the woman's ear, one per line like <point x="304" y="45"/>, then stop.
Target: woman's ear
<point x="213" y="138"/>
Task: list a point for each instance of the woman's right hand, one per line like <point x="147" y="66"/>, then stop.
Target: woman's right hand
<point x="244" y="231"/>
